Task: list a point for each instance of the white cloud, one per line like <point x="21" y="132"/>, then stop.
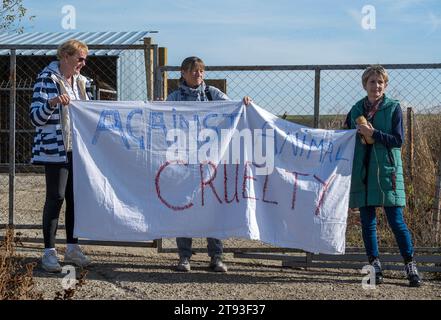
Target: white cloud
<point x="434" y="21"/>
<point x="355" y="15"/>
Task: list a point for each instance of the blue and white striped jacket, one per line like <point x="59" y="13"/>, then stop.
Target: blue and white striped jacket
<point x="48" y="145"/>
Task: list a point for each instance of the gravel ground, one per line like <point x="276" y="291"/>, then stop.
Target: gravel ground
<point x="135" y="273"/>
<point x="143" y="273"/>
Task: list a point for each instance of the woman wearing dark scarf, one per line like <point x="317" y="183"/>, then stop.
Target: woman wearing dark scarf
<point x="193" y="88"/>
<point x="377" y="172"/>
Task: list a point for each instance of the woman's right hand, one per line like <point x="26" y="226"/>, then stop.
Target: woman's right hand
<point x="247" y="100"/>
<point x="366" y="130"/>
<point x="62" y="99"/>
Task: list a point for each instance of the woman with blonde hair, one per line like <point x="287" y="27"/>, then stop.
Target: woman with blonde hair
<point x="56" y="85"/>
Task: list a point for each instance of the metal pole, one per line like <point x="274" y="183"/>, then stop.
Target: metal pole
<point x="95" y="92"/>
<point x="159" y="246"/>
<point x="317" y="98"/>
<point x="162" y="61"/>
<point x="148" y="67"/>
<point x="156" y="86"/>
<point x="308" y="260"/>
<point x="438" y="204"/>
<point x="410" y="143"/>
<point x="159" y="84"/>
<point x="12" y="101"/>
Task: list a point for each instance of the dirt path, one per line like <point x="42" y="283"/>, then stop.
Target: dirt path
<point x="133" y="273"/>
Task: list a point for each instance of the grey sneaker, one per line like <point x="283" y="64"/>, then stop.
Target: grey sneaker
<point x="217" y="265"/>
<point x="77" y="257"/>
<point x="184" y="264"/>
<point x="412" y="274"/>
<point x="378" y="271"/>
<point x="49" y="262"/>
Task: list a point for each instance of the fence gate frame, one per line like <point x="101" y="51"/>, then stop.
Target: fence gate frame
<point x="151" y="63"/>
<point x="156" y="86"/>
<point x="355" y="257"/>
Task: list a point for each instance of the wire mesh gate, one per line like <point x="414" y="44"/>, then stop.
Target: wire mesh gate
<point x="320" y="97"/>
<point x="111" y="67"/>
<point x="317" y="96"/>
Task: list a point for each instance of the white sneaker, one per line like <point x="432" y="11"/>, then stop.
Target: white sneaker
<point x="77" y="257"/>
<point x="218" y="265"/>
<point x="184" y="264"/>
<point x="49" y="262"/>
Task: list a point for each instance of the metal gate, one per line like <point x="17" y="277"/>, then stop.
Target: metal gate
<point x="317" y="96"/>
<point x="320" y="96"/>
<point x="111" y="67"/>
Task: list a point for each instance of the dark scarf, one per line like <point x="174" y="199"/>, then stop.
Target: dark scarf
<point x="370" y="109"/>
<point x="369" y="112"/>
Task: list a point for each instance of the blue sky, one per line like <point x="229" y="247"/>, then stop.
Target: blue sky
<point x="258" y="32"/>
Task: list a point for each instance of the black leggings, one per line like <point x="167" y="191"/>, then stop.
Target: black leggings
<point x="59" y="186"/>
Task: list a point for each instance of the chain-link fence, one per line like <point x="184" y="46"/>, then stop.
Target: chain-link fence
<point x="317" y="96"/>
<point x="321" y="96"/>
<point x="118" y="73"/>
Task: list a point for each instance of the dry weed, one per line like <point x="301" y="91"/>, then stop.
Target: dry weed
<point x="16" y="280"/>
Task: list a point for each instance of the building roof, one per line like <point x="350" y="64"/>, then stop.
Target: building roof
<point x="56" y="38"/>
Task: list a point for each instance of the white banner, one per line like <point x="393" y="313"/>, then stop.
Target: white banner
<point x="145" y="171"/>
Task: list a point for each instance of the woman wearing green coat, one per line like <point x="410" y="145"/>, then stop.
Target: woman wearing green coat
<point x="377" y="173"/>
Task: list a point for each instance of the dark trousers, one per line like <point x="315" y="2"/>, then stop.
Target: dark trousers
<point x="215" y="247"/>
<point x="59" y="186"/>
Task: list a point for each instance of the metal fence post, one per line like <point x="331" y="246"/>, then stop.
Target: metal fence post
<point x="95" y="92"/>
<point x="156" y="75"/>
<point x="410" y="143"/>
<point x="148" y="67"/>
<point x="308" y="260"/>
<point x="438" y="203"/>
<point x="159" y="93"/>
<point x="12" y="101"/>
<point x="317" y="98"/>
<point x="162" y="61"/>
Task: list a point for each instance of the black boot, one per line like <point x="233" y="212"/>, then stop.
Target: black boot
<point x="412" y="274"/>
